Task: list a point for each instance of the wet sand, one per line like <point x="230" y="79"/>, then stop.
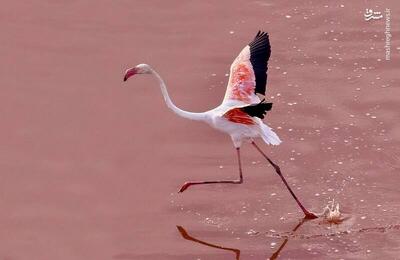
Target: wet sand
<point x="90" y="166"/>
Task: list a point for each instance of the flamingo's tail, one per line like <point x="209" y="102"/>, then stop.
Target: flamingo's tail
<point x="269" y="136"/>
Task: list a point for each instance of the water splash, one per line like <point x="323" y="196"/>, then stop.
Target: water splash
<point x="331" y="213"/>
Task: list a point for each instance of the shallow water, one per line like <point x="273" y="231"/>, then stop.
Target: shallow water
<point x="91" y="166"/>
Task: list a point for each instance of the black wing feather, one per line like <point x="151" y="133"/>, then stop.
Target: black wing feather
<point x="257" y="110"/>
<point x="260" y="51"/>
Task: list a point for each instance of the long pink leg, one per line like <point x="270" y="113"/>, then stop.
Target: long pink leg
<point x="190" y="183"/>
<point x="307" y="214"/>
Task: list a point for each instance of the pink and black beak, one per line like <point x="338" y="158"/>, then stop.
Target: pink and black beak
<point x="129" y="73"/>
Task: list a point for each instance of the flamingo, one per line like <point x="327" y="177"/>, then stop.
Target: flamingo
<point x="241" y="111"/>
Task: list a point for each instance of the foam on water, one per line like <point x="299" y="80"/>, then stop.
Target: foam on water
<point x="331" y="213"/>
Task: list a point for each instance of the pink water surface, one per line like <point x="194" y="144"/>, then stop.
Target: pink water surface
<point x="90" y="166"/>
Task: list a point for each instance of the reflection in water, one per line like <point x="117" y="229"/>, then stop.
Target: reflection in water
<point x="186" y="236"/>
<point x="277" y="252"/>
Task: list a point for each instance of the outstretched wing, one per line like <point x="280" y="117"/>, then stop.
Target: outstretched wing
<point x="245" y="115"/>
<point x="248" y="74"/>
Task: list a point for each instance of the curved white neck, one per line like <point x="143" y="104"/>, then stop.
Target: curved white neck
<point x="177" y="110"/>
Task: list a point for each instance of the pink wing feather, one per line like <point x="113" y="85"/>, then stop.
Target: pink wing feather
<point x="242" y="83"/>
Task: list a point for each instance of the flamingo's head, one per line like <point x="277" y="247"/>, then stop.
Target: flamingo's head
<point x="139" y="69"/>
